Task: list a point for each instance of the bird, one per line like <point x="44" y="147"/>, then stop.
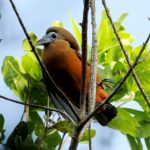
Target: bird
<point x="63" y="61"/>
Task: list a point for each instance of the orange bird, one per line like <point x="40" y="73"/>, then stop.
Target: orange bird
<point x="62" y="59"/>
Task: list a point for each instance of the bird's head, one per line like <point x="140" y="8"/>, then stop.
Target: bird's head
<point x="57" y="33"/>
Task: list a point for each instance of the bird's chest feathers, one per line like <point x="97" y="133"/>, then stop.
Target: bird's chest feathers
<point x="56" y="52"/>
<point x="63" y="64"/>
<point x="59" y="58"/>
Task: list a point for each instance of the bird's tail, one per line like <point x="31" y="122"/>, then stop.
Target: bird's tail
<point x="106" y="114"/>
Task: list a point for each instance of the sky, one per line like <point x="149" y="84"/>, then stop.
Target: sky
<point x="37" y="17"/>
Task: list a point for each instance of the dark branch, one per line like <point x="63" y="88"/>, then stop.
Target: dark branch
<point x="77" y="131"/>
<point x="61" y="143"/>
<point x="36" y="106"/>
<point x="84" y="59"/>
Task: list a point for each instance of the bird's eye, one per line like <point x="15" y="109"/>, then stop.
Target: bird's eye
<point x="52" y="35"/>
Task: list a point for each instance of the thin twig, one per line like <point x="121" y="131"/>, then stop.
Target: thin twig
<point x="61" y="143"/>
<point x="90" y="140"/>
<point x="93" y="74"/>
<point x="25" y="107"/>
<point x="126" y="55"/>
<point x="84" y="60"/>
<point x="119" y="85"/>
<point x="36" y="106"/>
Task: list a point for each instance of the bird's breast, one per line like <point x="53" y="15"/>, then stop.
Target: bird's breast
<point x="65" y="69"/>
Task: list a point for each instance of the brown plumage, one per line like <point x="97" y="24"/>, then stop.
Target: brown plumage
<point x="62" y="59"/>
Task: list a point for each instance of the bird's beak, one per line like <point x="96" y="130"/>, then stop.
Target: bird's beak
<point x="44" y="40"/>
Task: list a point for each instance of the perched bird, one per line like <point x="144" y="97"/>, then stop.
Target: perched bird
<point x="61" y="57"/>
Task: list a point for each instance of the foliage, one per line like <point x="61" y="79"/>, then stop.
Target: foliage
<point x="25" y="80"/>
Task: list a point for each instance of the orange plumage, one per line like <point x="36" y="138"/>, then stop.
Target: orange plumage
<point x="62" y="59"/>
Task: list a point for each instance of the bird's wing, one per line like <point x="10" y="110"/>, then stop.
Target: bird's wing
<point x="59" y="100"/>
<point x="79" y="55"/>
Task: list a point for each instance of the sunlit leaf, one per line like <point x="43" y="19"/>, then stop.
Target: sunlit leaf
<point x="31" y="67"/>
<point x="26" y="46"/>
<point x="57" y="23"/>
<point x="127" y="38"/>
<point x="76" y="31"/>
<point x="13" y="77"/>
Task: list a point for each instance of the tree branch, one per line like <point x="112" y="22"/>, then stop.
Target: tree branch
<point x="76" y="135"/>
<point x="84" y="60"/>
<point x="126" y="55"/>
<point x="61" y="144"/>
<point x="90" y="140"/>
<point x="93" y="74"/>
<point x="36" y="106"/>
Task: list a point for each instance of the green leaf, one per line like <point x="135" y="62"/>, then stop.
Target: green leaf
<point x="122" y="17"/>
<point x="64" y="126"/>
<point x="136" y="51"/>
<point x="76" y="31"/>
<point x="2" y="131"/>
<point x="147" y="142"/>
<point x="144" y="129"/>
<point x="103" y="34"/>
<point x="10" y="70"/>
<point x="37" y="93"/>
<point x="57" y="23"/>
<point x="26" y="46"/>
<point x="52" y="140"/>
<point x="135" y="143"/>
<point x="85" y="138"/>
<point x="1" y="122"/>
<point x="140" y="115"/>
<point x="38" y="123"/>
<point x="118" y="23"/>
<point x="139" y="98"/>
<point x="24" y="85"/>
<point x="125" y="123"/>
<point x="31" y="67"/>
<point x="119" y="69"/>
<point x="126" y="38"/>
<point x="18" y="136"/>
<point x="13" y="77"/>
